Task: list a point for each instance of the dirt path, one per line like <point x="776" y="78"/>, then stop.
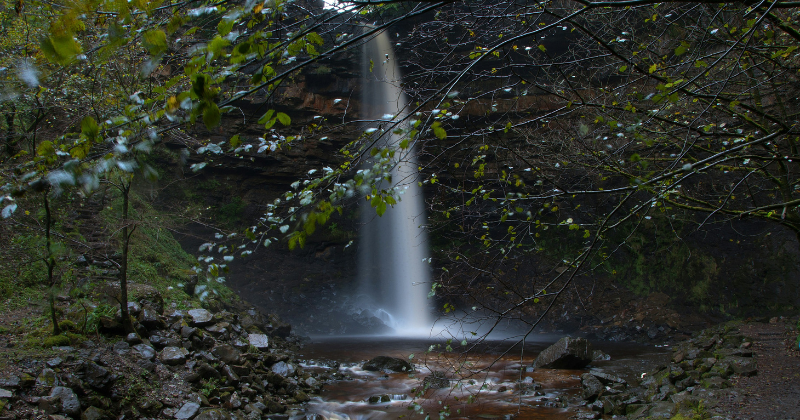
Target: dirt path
<point x="775" y="392"/>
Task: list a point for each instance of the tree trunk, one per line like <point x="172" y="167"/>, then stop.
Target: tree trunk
<point x="123" y="269"/>
<point x="51" y="265"/>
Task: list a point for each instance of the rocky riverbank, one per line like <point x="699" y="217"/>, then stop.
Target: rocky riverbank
<point x="233" y="363"/>
<point x="703" y="379"/>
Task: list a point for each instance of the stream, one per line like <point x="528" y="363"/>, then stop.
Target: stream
<point x="496" y="381"/>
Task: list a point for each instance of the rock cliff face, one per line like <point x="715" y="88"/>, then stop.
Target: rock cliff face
<point x="313" y="287"/>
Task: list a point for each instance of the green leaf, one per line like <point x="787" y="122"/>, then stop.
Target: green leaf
<point x="623" y="68"/>
<point x="225" y="26"/>
<point x="235" y="141"/>
<point x="89" y="128"/>
<point x="45" y="148"/>
<point x="380" y="208"/>
<point x="314" y="38"/>
<point x="175" y="22"/>
<point x="284" y="119"/>
<point x="439" y="132"/>
<point x="211" y="115"/>
<point x="61" y="49"/>
<point x="541" y="47"/>
<point x="682" y="49"/>
<point x="155" y="41"/>
<point x="217" y="45"/>
<point x="266" y="117"/>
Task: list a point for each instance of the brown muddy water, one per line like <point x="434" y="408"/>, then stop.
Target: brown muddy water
<point x="489" y="380"/>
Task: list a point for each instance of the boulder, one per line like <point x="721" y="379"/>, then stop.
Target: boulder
<point x="173" y="355"/>
<point x="47" y="378"/>
<point x="10" y="382"/>
<point x="376" y="399"/>
<point x="133" y="338"/>
<point x="226" y="353"/>
<point x="259" y="341"/>
<point x="204" y="371"/>
<point x="187" y="411"/>
<point x="68" y="399"/>
<point x="4" y="393"/>
<point x="744" y="366"/>
<point x="607" y="378"/>
<point x="283" y="369"/>
<point x="567" y="353"/>
<point x="93" y="413"/>
<point x="144" y="351"/>
<point x="592" y="387"/>
<point x="97" y="376"/>
<point x="388" y="364"/>
<point x="122" y="348"/>
<point x="436" y="380"/>
<point x="149" y="318"/>
<point x="214" y="414"/>
<point x="218" y="329"/>
<point x="662" y="410"/>
<point x="201" y="317"/>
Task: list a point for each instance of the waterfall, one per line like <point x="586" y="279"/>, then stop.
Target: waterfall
<point x="393" y="275"/>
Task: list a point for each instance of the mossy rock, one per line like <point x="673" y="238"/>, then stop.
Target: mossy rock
<point x="56" y="341"/>
<point x="67" y="325"/>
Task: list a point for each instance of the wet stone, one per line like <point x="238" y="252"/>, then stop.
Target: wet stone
<point x="218" y="329"/>
<point x="259" y="341"/>
<point x="201" y="317"/>
<point x="436" y="380"/>
<point x="662" y="410"/>
<point x="97" y="376"/>
<point x="744" y="366"/>
<point x="567" y="353"/>
<point x="377" y="399"/>
<point x="10" y="382"/>
<point x="54" y="362"/>
<point x="149" y="318"/>
<point x="187" y="332"/>
<point x="68" y="399"/>
<point x="226" y="353"/>
<point x="4" y="393"/>
<point x="144" y="351"/>
<point x="607" y="378"/>
<point x="93" y="413"/>
<point x="592" y="387"/>
<point x="173" y="355"/>
<point x="47" y="378"/>
<point x="214" y="414"/>
<point x="388" y="365"/>
<point x="284" y="369"/>
<point x="122" y="348"/>
<point x="187" y="411"/>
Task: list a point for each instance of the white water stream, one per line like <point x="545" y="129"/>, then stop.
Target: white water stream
<point x="393" y="275"/>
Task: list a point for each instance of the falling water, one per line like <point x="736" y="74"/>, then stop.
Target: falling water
<point x="393" y="273"/>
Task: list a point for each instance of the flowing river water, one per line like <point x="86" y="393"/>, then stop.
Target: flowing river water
<point x="496" y="379"/>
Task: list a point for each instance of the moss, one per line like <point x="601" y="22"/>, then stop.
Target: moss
<point x="56" y="341"/>
<point x="67" y="325"/>
<point x="75" y="338"/>
<point x="230" y="212"/>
